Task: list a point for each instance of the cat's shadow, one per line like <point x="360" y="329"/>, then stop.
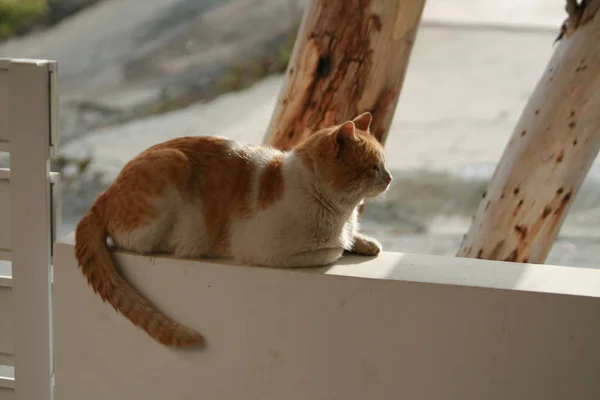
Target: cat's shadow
<point x="348" y="258"/>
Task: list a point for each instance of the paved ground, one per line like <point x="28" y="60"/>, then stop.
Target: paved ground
<point x="464" y="91"/>
<point x="504" y="14"/>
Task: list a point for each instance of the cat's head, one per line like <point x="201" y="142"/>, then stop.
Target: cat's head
<point x="348" y="158"/>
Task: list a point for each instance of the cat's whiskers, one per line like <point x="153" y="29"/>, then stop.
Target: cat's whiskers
<point x="381" y="196"/>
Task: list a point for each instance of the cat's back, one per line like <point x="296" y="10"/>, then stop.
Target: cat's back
<point x="214" y="156"/>
<point x="196" y="148"/>
<point x="214" y="167"/>
<point x="216" y="152"/>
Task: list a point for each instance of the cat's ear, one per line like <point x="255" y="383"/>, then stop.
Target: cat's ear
<point x="344" y="134"/>
<point x="363" y="121"/>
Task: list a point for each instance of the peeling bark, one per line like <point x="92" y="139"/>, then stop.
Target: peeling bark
<point x="578" y="13"/>
<point x="548" y="156"/>
<point x="350" y="57"/>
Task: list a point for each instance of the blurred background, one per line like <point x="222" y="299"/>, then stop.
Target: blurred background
<point x="137" y="72"/>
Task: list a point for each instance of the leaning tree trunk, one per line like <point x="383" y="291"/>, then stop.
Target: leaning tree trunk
<point x="549" y="154"/>
<point x="350" y="57"/>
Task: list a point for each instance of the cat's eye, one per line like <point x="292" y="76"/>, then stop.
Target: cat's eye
<point x="375" y="167"/>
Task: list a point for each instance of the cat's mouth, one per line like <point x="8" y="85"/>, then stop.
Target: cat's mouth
<point x="378" y="190"/>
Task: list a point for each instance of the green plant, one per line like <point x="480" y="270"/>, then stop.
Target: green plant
<point x="18" y="14"/>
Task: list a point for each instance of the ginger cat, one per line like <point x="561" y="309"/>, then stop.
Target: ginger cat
<point x="212" y="197"/>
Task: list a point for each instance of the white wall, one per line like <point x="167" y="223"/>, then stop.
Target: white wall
<point x="394" y="327"/>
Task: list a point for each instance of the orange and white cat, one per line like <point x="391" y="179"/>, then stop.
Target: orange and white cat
<point x="212" y="197"/>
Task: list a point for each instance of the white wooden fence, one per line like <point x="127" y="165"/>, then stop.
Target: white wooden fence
<point x="397" y="326"/>
<point x="29" y="217"/>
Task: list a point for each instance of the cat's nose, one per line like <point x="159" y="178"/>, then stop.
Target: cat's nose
<point x="387" y="177"/>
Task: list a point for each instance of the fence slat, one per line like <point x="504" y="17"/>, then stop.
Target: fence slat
<point x="55" y="206"/>
<point x="3" y="106"/>
<point x="7" y="394"/>
<point x="5" y="210"/>
<point x="6" y="318"/>
<point x="54" y="121"/>
<point x="7" y="389"/>
<point x="4" y="214"/>
<point x="29" y="130"/>
<point x="6" y="300"/>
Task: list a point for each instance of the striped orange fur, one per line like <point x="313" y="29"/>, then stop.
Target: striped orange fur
<point x="271" y="183"/>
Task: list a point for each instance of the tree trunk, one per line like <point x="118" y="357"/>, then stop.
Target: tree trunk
<point x="350" y="57"/>
<point x="549" y="154"/>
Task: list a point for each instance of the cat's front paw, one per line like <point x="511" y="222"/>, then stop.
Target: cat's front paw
<point x="366" y="246"/>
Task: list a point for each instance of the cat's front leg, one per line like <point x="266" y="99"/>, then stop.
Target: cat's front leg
<point x="365" y="245"/>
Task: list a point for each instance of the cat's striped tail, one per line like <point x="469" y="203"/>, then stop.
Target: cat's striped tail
<point x="92" y="253"/>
